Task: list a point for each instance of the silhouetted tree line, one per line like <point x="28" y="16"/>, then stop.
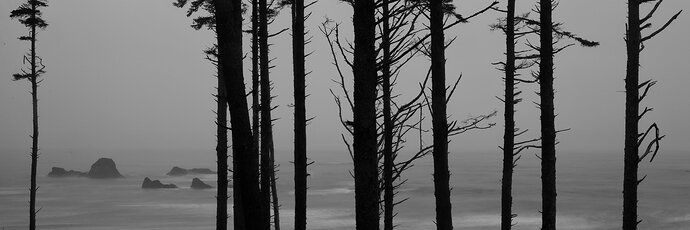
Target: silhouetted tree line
<point x="387" y="35"/>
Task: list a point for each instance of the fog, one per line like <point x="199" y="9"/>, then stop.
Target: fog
<point x="126" y="79"/>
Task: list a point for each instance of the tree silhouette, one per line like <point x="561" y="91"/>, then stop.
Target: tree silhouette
<point x="269" y="196"/>
<point x="550" y="33"/>
<point x="633" y="97"/>
<point x="514" y="29"/>
<point x="30" y="15"/>
<point x="438" y="9"/>
<point x="228" y="16"/>
<point x="300" y="120"/>
<point x="364" y="116"/>
<point x="265" y="122"/>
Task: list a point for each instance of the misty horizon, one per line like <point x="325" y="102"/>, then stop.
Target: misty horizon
<point x="129" y="82"/>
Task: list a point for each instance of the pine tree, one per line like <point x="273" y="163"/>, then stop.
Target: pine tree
<point x="30" y="15"/>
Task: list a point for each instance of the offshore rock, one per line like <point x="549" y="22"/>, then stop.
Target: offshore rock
<point x="155" y="184"/>
<point x="104" y="168"/>
<point x="198" y="184"/>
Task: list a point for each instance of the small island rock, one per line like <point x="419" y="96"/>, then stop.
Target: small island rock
<point x="177" y="171"/>
<point x="61" y="172"/>
<point x="104" y="168"/>
<point x="198" y="184"/>
<point x="155" y="184"/>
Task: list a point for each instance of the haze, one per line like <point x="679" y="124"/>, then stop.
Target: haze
<point x="128" y="77"/>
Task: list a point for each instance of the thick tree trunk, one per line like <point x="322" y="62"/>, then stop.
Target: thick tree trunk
<point x="444" y="217"/>
<point x="229" y="31"/>
<point x="266" y="129"/>
<point x="631" y="159"/>
<point x="34" y="135"/>
<point x="548" y="130"/>
<point x="300" y="129"/>
<point x="388" y="193"/>
<point x="509" y="117"/>
<point x="365" y="149"/>
<point x="222" y="155"/>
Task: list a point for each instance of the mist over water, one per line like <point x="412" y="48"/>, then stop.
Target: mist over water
<point x="589" y="194"/>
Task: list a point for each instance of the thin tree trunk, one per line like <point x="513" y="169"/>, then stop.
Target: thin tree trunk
<point x="631" y="159"/>
<point x="229" y="30"/>
<point x="266" y="129"/>
<point x="388" y="193"/>
<point x="365" y="148"/>
<point x="255" y="75"/>
<point x="274" y="191"/>
<point x="222" y="155"/>
<point x="34" y="136"/>
<point x="444" y="218"/>
<point x="548" y="130"/>
<point x="300" y="129"/>
<point x="509" y="116"/>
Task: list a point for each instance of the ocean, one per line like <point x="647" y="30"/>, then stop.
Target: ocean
<point x="589" y="194"/>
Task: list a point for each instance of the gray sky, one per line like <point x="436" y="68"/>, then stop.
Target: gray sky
<point x="129" y="74"/>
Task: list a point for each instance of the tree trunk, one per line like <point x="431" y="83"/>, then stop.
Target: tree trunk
<point x="274" y="191"/>
<point x="631" y="159"/>
<point x="365" y="148"/>
<point x="300" y="129"/>
<point x="388" y="194"/>
<point x="266" y="129"/>
<point x="34" y="136"/>
<point x="222" y="155"/>
<point x="255" y="74"/>
<point x="509" y="116"/>
<point x="444" y="217"/>
<point x="548" y="130"/>
<point x="229" y="32"/>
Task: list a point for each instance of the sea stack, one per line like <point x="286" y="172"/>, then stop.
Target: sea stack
<point x="155" y="184"/>
<point x="198" y="184"/>
<point x="104" y="168"/>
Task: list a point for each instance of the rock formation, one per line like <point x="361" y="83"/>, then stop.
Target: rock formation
<point x="104" y="168"/>
<point x="155" y="184"/>
<point x="61" y="172"/>
<point x="198" y="184"/>
<point x="177" y="171"/>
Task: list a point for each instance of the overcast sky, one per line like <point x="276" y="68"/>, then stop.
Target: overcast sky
<point x="129" y="74"/>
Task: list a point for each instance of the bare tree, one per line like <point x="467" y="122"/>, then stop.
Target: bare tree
<point x="208" y="21"/>
<point x="633" y="97"/>
<point x="438" y="9"/>
<point x="228" y="16"/>
<point x="269" y="196"/>
<point x="513" y="28"/>
<point x="265" y="122"/>
<point x="550" y="33"/>
<point x="300" y="119"/>
<point x="30" y="15"/>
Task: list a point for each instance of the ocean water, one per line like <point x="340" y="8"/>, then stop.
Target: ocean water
<point x="589" y="195"/>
